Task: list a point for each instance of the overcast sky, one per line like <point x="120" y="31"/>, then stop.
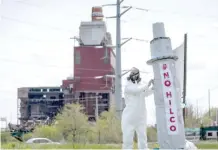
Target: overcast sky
<point x="36" y="49"/>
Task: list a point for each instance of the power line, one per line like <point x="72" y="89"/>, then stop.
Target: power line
<point x="148" y="10"/>
<point x="63" y="67"/>
<point x="182" y="13"/>
<point x="54" y="66"/>
<point x="53" y="28"/>
<point x="35" y="24"/>
<point x="50" y="66"/>
<point x="172" y="12"/>
<point x="28" y="4"/>
<point x="86" y="83"/>
<point x="36" y="40"/>
<point x="65" y="41"/>
<point x="67" y="30"/>
<point x="90" y="83"/>
<point x="94" y="69"/>
<point x="81" y="99"/>
<point x="29" y="63"/>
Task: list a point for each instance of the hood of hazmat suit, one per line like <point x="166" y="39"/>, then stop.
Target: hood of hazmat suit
<point x="134" y="114"/>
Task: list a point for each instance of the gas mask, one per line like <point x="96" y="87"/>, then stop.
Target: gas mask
<point x="134" y="75"/>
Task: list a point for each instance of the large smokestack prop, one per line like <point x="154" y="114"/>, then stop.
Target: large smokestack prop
<point x="170" y="124"/>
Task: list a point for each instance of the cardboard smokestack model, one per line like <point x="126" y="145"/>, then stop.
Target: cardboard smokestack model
<point x="169" y="117"/>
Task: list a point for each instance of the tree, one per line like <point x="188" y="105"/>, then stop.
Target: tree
<point x="108" y="128"/>
<point x="72" y="123"/>
<point x="46" y="131"/>
<point x="206" y="119"/>
<point x="192" y="119"/>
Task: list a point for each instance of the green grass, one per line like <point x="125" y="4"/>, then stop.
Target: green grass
<point x="54" y="146"/>
<point x="207" y="145"/>
<point x="87" y="146"/>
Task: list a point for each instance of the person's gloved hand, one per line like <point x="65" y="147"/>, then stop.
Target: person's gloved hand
<point x="151" y="82"/>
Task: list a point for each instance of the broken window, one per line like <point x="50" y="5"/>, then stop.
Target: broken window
<point x="105" y="95"/>
<point x="35" y="95"/>
<point x="52" y="97"/>
<point x="55" y="90"/>
<point x="44" y="90"/>
<point x="34" y="90"/>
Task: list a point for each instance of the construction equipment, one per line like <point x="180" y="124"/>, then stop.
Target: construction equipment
<point x="17" y="131"/>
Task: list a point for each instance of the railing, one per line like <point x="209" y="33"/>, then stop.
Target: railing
<point x="37" y="115"/>
<point x="101" y="105"/>
<point x="44" y="100"/>
<point x="193" y="138"/>
<point x="39" y="90"/>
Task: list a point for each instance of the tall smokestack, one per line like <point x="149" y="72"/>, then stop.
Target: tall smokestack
<point x="97" y="13"/>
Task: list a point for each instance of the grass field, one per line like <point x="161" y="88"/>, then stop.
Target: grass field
<point x="88" y="146"/>
<point x="207" y="145"/>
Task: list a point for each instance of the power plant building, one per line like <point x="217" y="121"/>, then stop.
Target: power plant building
<point x="90" y="85"/>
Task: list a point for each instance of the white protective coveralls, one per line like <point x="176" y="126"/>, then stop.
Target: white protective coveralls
<point x="134" y="114"/>
<point x="189" y="145"/>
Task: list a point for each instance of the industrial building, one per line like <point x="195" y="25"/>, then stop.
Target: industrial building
<point x="93" y="61"/>
<point x="90" y="86"/>
<point x="39" y="103"/>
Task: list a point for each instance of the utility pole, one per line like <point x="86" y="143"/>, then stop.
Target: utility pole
<point x="118" y="81"/>
<point x="96" y="106"/>
<point x="209" y="102"/>
<point x="185" y="75"/>
<point x="209" y="90"/>
<point x="197" y="109"/>
<point x="18" y="107"/>
<point x="118" y="70"/>
<point x="217" y="117"/>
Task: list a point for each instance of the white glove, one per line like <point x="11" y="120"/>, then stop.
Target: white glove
<point x="151" y="82"/>
<point x="183" y="105"/>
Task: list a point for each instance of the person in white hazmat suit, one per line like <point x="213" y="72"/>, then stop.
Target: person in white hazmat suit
<point x="134" y="114"/>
